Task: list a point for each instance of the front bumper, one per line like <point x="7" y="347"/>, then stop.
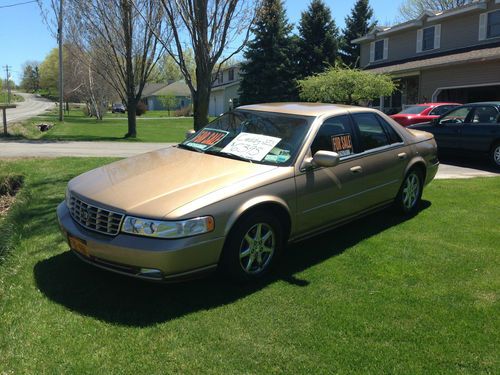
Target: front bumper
<point x="142" y="257"/>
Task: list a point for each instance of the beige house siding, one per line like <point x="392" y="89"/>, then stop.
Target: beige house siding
<point x="457" y="31"/>
<point x="475" y="74"/>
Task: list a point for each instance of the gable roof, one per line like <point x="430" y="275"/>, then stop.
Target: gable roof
<point x="178" y="88"/>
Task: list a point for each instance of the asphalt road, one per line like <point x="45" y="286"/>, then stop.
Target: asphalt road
<point x="28" y="149"/>
<point x="32" y="106"/>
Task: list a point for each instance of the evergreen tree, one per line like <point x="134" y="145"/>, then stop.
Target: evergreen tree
<point x="356" y="25"/>
<point x="318" y="43"/>
<point x="268" y="72"/>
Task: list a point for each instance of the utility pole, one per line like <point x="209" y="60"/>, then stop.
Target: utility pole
<point x="7" y="78"/>
<point x="60" y="43"/>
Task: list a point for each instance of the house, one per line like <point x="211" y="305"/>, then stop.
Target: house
<point x="224" y="95"/>
<point x="152" y="93"/>
<point x="441" y="56"/>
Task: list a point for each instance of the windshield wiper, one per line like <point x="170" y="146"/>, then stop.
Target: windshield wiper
<point x="191" y="148"/>
<point x="229" y="155"/>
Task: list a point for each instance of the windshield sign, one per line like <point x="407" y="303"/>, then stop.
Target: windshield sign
<point x="262" y="137"/>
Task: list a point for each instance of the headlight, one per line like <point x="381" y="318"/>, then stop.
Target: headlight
<point x="168" y="229"/>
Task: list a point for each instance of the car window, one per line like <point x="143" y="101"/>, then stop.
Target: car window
<point x="457" y="116"/>
<point x="335" y="135"/>
<point x="485" y="115"/>
<point x="372" y="135"/>
<point x="441" y="110"/>
<point x="413" y="110"/>
<point x="394" y="137"/>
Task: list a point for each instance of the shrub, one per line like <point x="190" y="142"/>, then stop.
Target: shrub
<point x="184" y="111"/>
<point x="141" y="109"/>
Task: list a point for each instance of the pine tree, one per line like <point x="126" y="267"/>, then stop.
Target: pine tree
<point x="357" y="25"/>
<point x="268" y="72"/>
<point x="318" y="43"/>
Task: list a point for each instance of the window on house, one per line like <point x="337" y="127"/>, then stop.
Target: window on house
<point x="428" y="38"/>
<point x="379" y="50"/>
<point x="231" y="74"/>
<point x="493" y="24"/>
<point x="220" y="78"/>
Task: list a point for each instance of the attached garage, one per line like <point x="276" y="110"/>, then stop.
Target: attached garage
<point x="469" y="94"/>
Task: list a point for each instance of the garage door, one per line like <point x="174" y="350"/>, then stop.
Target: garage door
<point x="470" y="94"/>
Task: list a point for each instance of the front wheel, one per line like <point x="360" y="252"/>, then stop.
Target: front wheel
<point x="495" y="155"/>
<point x="252" y="247"/>
<point x="410" y="194"/>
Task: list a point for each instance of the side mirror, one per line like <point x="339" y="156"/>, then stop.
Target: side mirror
<point x="326" y="159"/>
<point x="189" y="133"/>
<point x="436" y="122"/>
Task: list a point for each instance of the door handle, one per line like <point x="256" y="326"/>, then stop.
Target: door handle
<point x="356" y="169"/>
<point x="402" y="155"/>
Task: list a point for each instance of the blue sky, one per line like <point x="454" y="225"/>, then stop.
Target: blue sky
<point x="24" y="36"/>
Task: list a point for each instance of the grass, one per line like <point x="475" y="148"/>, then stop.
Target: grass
<point x="14" y="98"/>
<point x="77" y="127"/>
<point x="380" y="295"/>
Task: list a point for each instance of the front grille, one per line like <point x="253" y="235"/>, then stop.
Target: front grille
<point x="95" y="218"/>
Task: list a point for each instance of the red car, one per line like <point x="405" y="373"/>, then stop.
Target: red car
<point x="425" y="112"/>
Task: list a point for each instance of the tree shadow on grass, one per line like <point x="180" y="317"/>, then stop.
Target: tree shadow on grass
<point x="126" y="301"/>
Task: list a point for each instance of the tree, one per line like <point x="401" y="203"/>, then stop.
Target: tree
<point x="412" y="9"/>
<point x="268" y="72"/>
<point x="169" y="101"/>
<point x="346" y="86"/>
<point x="208" y="28"/>
<point x="119" y="37"/>
<point x="318" y="39"/>
<point x="30" y="81"/>
<point x="49" y="73"/>
<point x="167" y="69"/>
<point x="359" y="23"/>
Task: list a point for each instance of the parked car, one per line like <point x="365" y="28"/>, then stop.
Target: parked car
<point x="422" y="113"/>
<point x="237" y="191"/>
<point x="472" y="129"/>
<point x="118" y="108"/>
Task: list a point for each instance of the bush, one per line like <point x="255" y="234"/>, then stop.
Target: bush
<point x="183" y="112"/>
<point x="141" y="109"/>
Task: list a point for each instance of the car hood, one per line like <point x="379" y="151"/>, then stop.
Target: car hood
<point x="156" y="183"/>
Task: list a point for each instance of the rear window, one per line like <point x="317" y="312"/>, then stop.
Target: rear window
<point x="442" y="109"/>
<point x="414" y="109"/>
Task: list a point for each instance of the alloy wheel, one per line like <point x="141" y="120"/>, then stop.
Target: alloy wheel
<point x="496" y="155"/>
<point x="411" y="191"/>
<point x="257" y="248"/>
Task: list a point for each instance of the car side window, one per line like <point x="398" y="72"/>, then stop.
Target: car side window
<point x="457" y="116"/>
<point x="372" y="135"/>
<point x="485" y="115"/>
<point x="335" y="134"/>
<point x="394" y="137"/>
<point x="441" y="110"/>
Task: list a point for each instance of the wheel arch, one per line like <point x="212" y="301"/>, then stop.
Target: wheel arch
<point x="418" y="163"/>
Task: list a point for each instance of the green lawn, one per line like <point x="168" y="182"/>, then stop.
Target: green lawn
<point x="77" y="127"/>
<point x="380" y="295"/>
<point x="14" y="98"/>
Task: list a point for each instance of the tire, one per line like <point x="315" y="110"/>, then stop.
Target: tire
<point x="495" y="155"/>
<point x="252" y="247"/>
<point x="410" y="194"/>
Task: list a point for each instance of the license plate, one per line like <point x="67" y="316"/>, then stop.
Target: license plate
<point x="78" y="245"/>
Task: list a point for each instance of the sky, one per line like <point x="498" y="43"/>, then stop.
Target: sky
<point x="24" y="36"/>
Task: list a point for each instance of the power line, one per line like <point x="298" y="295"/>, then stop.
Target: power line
<point x="15" y="5"/>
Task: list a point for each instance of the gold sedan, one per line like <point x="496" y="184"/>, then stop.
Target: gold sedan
<point x="233" y="194"/>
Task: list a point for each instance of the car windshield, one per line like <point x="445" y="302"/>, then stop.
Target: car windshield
<point x="260" y="137"/>
<point x="414" y="110"/>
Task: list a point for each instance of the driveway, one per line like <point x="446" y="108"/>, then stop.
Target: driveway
<point x="32" y="106"/>
<point x="27" y="149"/>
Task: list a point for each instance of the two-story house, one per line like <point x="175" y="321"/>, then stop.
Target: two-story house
<point x="441" y="56"/>
<point x="224" y="95"/>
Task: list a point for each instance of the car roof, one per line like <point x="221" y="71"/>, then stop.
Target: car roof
<point x="484" y="103"/>
<point x="438" y="103"/>
<point x="304" y="109"/>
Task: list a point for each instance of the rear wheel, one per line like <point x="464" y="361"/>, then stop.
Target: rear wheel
<point x="252" y="247"/>
<point x="495" y="155"/>
<point x="410" y="194"/>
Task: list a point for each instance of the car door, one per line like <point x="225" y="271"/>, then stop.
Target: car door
<point x="448" y="128"/>
<point x="477" y="135"/>
<point x="384" y="158"/>
<point x="325" y="195"/>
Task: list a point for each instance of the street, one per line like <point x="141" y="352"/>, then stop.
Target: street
<point x="32" y="106"/>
